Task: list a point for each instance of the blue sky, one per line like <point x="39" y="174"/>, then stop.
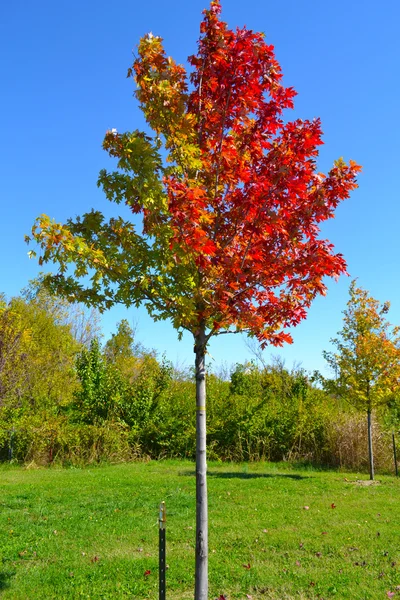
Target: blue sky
<point x="63" y="74"/>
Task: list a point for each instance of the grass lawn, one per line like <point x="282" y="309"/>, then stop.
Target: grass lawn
<point x="275" y="533"/>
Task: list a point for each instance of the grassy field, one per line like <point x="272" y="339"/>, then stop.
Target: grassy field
<point x="275" y="533"/>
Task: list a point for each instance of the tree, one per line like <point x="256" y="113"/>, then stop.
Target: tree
<point x="120" y="346"/>
<point x="229" y="219"/>
<point x="84" y="324"/>
<point x="127" y="355"/>
<point x="37" y="355"/>
<point x="102" y="387"/>
<point x="144" y="377"/>
<point x="12" y="345"/>
<point x="367" y="358"/>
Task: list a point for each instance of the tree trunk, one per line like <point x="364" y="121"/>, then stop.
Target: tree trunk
<point x="201" y="586"/>
<point x="370" y="449"/>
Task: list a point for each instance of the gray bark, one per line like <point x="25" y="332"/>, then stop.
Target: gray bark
<point x="370" y="449"/>
<point x="201" y="578"/>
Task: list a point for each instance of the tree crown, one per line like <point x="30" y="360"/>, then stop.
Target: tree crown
<point x="228" y="193"/>
<point x="367" y="358"/>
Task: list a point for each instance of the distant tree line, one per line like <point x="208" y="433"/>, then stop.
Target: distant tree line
<point x="67" y="398"/>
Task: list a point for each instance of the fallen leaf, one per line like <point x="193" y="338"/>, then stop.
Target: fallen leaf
<point x="146" y="573"/>
<point x="298" y="563"/>
<point x="333" y="505"/>
<point x="306" y="507"/>
<point x="248" y="566"/>
<point x="95" y="559"/>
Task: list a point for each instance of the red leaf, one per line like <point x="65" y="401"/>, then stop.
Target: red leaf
<point x="248" y="566"/>
<point x="240" y="203"/>
<point x="147" y="573"/>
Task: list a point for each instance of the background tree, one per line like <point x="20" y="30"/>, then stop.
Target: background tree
<point x="83" y="323"/>
<point x="95" y="398"/>
<point x="229" y="219"/>
<point x="37" y="355"/>
<point x="366" y="362"/>
<point x="144" y="376"/>
<point x="121" y="345"/>
<point x="12" y="342"/>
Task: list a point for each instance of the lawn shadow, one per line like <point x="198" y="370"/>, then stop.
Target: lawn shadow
<point x="236" y="475"/>
<point x="4" y="579"/>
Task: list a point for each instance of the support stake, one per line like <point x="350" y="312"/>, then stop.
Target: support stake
<point x="162" y="552"/>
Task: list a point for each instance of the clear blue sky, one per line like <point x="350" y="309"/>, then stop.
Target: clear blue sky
<point x="63" y="84"/>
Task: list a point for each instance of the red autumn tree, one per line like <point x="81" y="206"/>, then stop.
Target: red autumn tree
<point x="230" y="217"/>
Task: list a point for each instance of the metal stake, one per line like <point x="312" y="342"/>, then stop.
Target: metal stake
<point x="162" y="553"/>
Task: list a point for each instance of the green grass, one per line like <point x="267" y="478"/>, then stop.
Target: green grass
<point x="92" y="533"/>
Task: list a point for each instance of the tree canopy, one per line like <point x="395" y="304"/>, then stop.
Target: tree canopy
<point x="366" y="362"/>
<point x="228" y="191"/>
